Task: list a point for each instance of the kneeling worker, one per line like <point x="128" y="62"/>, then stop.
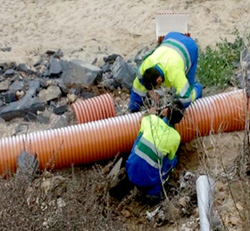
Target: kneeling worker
<point x="153" y="156"/>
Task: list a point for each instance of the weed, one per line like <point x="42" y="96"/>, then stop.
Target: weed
<point x="216" y="66"/>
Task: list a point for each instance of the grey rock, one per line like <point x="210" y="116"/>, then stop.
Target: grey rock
<point x="9" y="72"/>
<point x="87" y="95"/>
<point x="59" y="122"/>
<point x="58" y="54"/>
<point x="78" y="72"/>
<point x="20" y="108"/>
<point x="109" y="83"/>
<point x="24" y="68"/>
<point x="45" y="73"/>
<point x="15" y="77"/>
<point x="52" y="104"/>
<point x="63" y="88"/>
<point x="52" y="92"/>
<point x="50" y="52"/>
<point x="4" y="85"/>
<point x="55" y="67"/>
<point x="106" y="67"/>
<point x="216" y="222"/>
<point x="30" y="116"/>
<point x="140" y="55"/>
<point x="123" y="72"/>
<point x="59" y="110"/>
<point x="16" y="86"/>
<point x="44" y="117"/>
<point x="29" y="103"/>
<point x="64" y="64"/>
<point x="107" y="75"/>
<point x="27" y="166"/>
<point x="110" y="59"/>
<point x="10" y="96"/>
<point x="4" y="49"/>
<point x="34" y="85"/>
<point x="21" y="128"/>
<point x="76" y="90"/>
<point x="113" y="174"/>
<point x="43" y="82"/>
<point x="38" y="63"/>
<point x="8" y="65"/>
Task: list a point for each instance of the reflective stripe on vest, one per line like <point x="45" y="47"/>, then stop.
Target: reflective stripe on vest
<point x="147" y="151"/>
<point x="140" y="93"/>
<point x="138" y="88"/>
<point x="185" y="100"/>
<point x="147" y="158"/>
<point x="181" y="49"/>
<point x="139" y="75"/>
<point x="186" y="90"/>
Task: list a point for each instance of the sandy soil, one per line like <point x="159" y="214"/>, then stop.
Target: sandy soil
<point x="94" y="29"/>
<point x="90" y="29"/>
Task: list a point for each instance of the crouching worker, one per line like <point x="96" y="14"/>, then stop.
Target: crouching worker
<point x="153" y="156"/>
<point x="172" y="64"/>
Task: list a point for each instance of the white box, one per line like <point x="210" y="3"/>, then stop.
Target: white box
<point x="167" y="22"/>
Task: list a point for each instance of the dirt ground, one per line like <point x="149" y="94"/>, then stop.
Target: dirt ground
<point x="78" y="198"/>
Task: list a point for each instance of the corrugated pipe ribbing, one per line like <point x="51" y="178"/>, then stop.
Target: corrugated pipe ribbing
<point x="92" y="109"/>
<point x="103" y="139"/>
<point x="77" y="144"/>
<point x="219" y="113"/>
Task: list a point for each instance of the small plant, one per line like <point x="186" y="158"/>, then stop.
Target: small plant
<point x="216" y="66"/>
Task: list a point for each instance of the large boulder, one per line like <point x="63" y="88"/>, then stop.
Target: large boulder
<point x="79" y="72"/>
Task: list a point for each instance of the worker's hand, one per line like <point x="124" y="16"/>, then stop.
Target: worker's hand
<point x="164" y="112"/>
<point x="177" y="112"/>
<point x="177" y="105"/>
<point x="152" y="110"/>
<point x="154" y="96"/>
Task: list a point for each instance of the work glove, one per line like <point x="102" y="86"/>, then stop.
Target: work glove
<point x="176" y="112"/>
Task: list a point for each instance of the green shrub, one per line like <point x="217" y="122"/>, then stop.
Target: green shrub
<point x="216" y="66"/>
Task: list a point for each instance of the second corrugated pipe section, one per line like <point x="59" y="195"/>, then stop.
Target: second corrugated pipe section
<point x="103" y="139"/>
<point x="96" y="108"/>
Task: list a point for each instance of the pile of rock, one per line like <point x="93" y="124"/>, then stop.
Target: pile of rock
<point x="52" y="84"/>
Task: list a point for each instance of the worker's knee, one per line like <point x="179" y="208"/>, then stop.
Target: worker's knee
<point x="135" y="102"/>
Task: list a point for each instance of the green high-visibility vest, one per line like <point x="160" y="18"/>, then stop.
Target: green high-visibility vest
<point x="157" y="141"/>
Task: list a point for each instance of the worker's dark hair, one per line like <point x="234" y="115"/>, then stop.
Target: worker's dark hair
<point x="149" y="78"/>
<point x="176" y="113"/>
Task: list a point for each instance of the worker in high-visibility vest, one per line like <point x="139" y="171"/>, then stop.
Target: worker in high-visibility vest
<point x="172" y="64"/>
<point x="153" y="156"/>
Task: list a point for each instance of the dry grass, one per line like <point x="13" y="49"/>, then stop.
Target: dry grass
<point x="59" y="201"/>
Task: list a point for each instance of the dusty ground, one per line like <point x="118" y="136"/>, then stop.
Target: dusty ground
<point x="78" y="198"/>
<point x="92" y="29"/>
